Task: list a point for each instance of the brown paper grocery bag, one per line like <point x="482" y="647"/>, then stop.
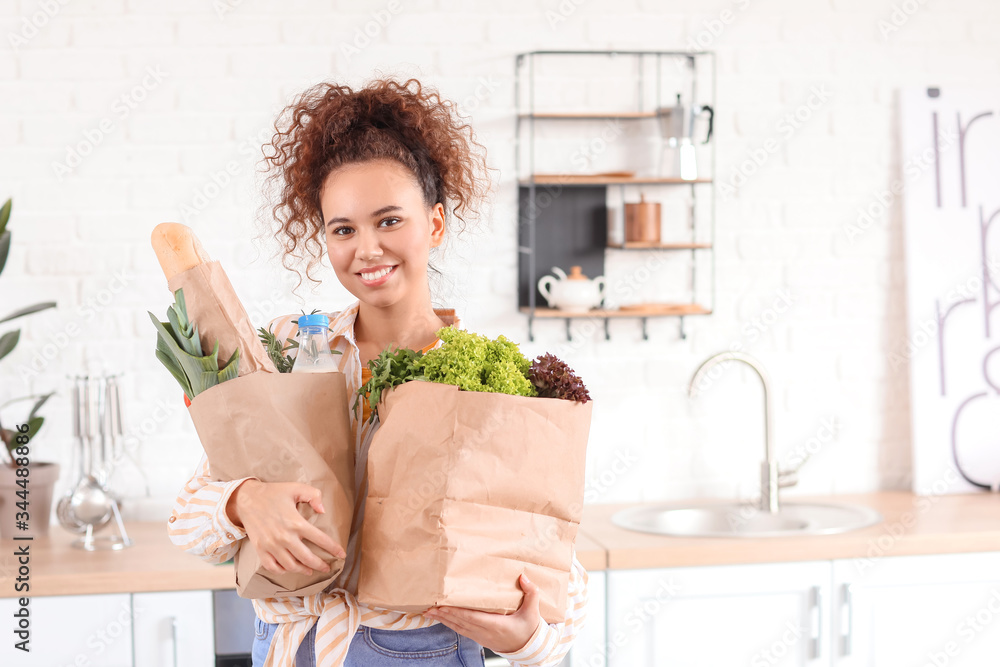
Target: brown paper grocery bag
<point x="213" y="306"/>
<point x="283" y="427"/>
<point x="467" y="490"/>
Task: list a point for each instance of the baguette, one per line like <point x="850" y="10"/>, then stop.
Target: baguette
<point x="210" y="298"/>
<point x="177" y="248"/>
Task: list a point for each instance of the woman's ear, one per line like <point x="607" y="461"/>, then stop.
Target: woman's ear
<point x="437" y="225"/>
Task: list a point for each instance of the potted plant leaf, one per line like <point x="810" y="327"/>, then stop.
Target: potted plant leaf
<point x="25" y="483"/>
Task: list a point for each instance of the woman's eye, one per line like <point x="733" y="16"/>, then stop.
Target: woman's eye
<point x="394" y="220"/>
<point x="336" y="231"/>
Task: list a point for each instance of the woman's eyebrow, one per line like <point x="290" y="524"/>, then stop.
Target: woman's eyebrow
<point x="375" y="214"/>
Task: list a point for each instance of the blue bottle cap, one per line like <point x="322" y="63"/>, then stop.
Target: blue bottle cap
<point x="314" y="320"/>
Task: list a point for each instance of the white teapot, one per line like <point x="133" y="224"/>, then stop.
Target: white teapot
<point x="575" y="293"/>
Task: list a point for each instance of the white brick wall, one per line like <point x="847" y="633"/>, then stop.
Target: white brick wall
<point x="66" y="64"/>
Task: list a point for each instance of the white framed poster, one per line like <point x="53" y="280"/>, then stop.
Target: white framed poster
<point x="951" y="211"/>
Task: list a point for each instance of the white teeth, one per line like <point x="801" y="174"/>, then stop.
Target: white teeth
<point x="376" y="275"/>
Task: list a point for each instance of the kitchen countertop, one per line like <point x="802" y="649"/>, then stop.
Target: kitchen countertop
<point x="151" y="564"/>
<point x="913" y="525"/>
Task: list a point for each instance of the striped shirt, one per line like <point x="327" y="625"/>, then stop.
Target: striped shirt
<point x="199" y="525"/>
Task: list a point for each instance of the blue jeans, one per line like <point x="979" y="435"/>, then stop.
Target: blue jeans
<point x="437" y="645"/>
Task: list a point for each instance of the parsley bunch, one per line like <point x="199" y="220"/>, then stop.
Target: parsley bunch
<point x="390" y="368"/>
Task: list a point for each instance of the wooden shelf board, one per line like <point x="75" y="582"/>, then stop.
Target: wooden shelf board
<point x="585" y="115"/>
<point x="597" y="179"/>
<point x="650" y="245"/>
<point x="650" y="310"/>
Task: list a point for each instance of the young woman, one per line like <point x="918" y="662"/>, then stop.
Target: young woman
<point x="377" y="175"/>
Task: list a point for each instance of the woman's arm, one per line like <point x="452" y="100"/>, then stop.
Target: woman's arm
<point x="551" y="642"/>
<point x="199" y="523"/>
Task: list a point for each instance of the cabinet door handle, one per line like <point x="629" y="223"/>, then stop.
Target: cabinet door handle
<point x="173" y="636"/>
<point x="817" y="603"/>
<point x="847" y="618"/>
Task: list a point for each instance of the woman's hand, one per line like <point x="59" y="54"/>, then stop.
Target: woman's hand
<point x="268" y="512"/>
<point x="501" y="633"/>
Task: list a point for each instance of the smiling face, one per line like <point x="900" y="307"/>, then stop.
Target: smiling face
<point x="379" y="231"/>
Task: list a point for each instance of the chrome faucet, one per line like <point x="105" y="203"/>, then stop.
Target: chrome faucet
<point x="770" y="478"/>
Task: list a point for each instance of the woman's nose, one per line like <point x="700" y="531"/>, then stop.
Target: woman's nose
<point x="368" y="246"/>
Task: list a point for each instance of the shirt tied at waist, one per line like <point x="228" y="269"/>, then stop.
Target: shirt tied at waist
<point x="337" y="614"/>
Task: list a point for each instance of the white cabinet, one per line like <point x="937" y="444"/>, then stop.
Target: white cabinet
<point x="173" y="629"/>
<point x="940" y="610"/>
<point x="588" y="649"/>
<point x="72" y="630"/>
<point x="159" y="629"/>
<point x="757" y="615"/>
<point x="935" y="611"/>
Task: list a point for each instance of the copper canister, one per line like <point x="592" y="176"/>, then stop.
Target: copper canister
<point x="642" y="221"/>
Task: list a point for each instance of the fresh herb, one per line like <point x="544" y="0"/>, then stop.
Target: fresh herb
<point x="178" y="347"/>
<point x="276" y="350"/>
<point x="389" y="368"/>
<point x="554" y="379"/>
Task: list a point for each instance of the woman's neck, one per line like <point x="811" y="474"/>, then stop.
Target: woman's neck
<point x="411" y="325"/>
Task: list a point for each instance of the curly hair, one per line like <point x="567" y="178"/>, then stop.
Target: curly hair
<point x="331" y="125"/>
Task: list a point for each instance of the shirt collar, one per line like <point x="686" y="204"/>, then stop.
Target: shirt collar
<point x="343" y="323"/>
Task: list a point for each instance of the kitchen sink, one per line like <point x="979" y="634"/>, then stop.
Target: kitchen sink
<point x="731" y="519"/>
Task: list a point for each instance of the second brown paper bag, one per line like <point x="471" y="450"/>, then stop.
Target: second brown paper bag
<point x="467" y="490"/>
<point x="283" y="427"/>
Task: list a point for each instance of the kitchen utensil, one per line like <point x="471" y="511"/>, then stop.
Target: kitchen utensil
<point x="67" y="519"/>
<point x="677" y="122"/>
<point x="119" y="440"/>
<point x="573" y="293"/>
<point x="97" y="425"/>
<point x="90" y="503"/>
<point x="642" y="221"/>
<point x="677" y="130"/>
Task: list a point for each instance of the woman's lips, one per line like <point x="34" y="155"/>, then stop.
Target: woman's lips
<point x="377" y="281"/>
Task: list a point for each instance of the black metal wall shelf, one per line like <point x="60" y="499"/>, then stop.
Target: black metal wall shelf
<point x="567" y="227"/>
